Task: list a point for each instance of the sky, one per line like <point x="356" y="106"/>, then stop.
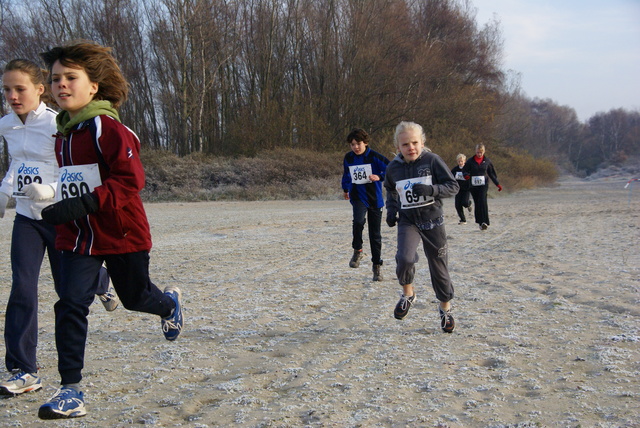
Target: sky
<point x="584" y="54"/>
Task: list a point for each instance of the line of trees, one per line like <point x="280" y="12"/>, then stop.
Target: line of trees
<point x="545" y="129"/>
<point x="237" y="77"/>
<point x="241" y="76"/>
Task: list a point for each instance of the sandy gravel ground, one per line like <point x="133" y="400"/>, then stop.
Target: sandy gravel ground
<point x="280" y="332"/>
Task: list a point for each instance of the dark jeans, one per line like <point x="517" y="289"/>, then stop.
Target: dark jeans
<point x="481" y="209"/>
<point x="374" y="216"/>
<point x="29" y="240"/>
<point x="462" y="202"/>
<point x="130" y="277"/>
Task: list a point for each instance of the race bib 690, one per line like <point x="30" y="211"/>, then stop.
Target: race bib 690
<point x="74" y="181"/>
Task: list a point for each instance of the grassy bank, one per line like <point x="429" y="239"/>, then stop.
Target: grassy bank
<point x="285" y="174"/>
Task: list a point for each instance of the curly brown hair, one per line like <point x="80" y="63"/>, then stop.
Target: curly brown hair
<point x="99" y="64"/>
<point x="358" y="134"/>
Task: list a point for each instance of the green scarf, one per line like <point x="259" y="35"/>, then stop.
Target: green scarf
<point x="91" y="110"/>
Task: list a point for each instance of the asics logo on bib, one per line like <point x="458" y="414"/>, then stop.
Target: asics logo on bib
<point x="70" y="177"/>
<point x="409" y="185"/>
<point x="30" y="170"/>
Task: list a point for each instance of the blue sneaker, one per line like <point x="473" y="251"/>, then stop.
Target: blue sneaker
<point x="66" y="403"/>
<point x="172" y="325"/>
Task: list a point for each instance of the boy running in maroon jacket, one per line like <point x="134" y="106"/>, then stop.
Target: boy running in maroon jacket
<point x="99" y="216"/>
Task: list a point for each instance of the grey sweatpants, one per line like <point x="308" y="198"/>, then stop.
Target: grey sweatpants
<point x="434" y="242"/>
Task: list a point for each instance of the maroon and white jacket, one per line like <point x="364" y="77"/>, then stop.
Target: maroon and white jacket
<point x="120" y="225"/>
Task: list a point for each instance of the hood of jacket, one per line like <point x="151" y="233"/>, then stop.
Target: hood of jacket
<point x="95" y="108"/>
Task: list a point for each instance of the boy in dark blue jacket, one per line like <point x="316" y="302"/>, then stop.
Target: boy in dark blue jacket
<point x="364" y="171"/>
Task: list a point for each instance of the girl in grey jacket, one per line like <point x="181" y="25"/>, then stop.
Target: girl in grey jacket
<point x="416" y="181"/>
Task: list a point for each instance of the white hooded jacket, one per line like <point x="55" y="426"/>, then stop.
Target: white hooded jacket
<point x="32" y="141"/>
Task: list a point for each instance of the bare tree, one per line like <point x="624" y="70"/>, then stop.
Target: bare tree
<point x="227" y="76"/>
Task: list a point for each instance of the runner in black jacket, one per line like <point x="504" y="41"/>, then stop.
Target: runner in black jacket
<point x="463" y="196"/>
<point x="478" y="169"/>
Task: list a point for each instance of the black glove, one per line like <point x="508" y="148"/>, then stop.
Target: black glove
<point x="391" y="219"/>
<point x="420" y="189"/>
<point x="70" y="209"/>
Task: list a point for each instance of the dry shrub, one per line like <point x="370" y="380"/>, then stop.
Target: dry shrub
<point x="522" y="171"/>
<point x="170" y="177"/>
<point x="272" y="175"/>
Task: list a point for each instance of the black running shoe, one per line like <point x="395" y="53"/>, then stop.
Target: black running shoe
<point x="402" y="308"/>
<point x="377" y="273"/>
<point x="447" y="322"/>
<point x="355" y="259"/>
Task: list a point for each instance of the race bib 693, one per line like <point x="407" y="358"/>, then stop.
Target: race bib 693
<point x="30" y="172"/>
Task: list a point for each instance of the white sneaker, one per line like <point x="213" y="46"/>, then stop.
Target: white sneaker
<point x="109" y="299"/>
<point x="20" y="382"/>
